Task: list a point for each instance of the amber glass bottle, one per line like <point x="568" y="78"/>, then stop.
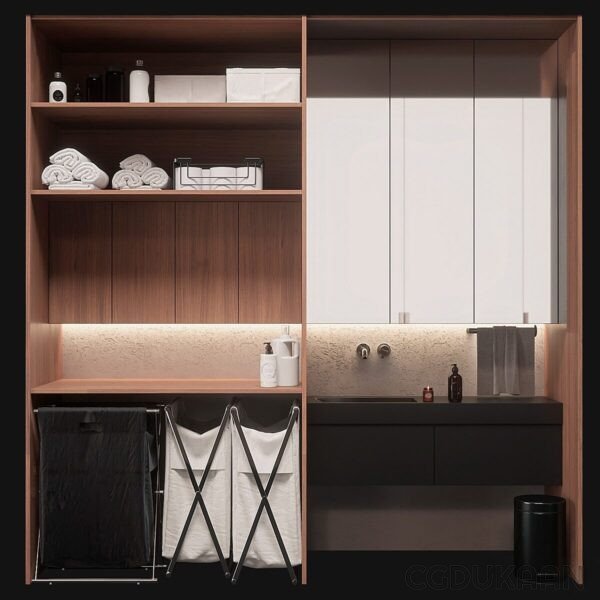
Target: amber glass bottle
<point x="455" y="385"/>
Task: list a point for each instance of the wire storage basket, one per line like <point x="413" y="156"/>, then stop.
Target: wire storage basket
<point x="246" y="175"/>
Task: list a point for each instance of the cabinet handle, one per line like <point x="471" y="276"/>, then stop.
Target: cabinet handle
<point x="525" y="317"/>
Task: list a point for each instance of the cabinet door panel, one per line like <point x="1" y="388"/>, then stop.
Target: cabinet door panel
<point x="370" y="455"/>
<point x="143" y="262"/>
<point x="270" y="262"/>
<point x="207" y="262"/>
<point x="348" y="182"/>
<point x="432" y="182"/>
<point x="79" y="265"/>
<point x="498" y="455"/>
<point x="515" y="181"/>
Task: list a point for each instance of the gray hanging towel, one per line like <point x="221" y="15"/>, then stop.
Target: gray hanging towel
<point x="506" y="361"/>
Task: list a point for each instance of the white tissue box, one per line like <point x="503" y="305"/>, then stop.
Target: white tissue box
<point x="263" y="85"/>
<point x="189" y="88"/>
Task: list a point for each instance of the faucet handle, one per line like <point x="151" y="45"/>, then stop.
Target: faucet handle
<point x="384" y="350"/>
<point x="363" y="350"/>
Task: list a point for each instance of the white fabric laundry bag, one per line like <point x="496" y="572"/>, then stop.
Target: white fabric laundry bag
<point x="179" y="494"/>
<point x="284" y="498"/>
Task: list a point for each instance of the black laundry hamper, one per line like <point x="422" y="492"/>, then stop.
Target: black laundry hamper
<point x="95" y="495"/>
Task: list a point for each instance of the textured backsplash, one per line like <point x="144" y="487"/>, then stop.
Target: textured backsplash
<point x="180" y="351"/>
<point x="421" y="355"/>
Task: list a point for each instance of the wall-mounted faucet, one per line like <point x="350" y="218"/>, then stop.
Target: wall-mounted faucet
<point x="384" y="350"/>
<point x="363" y="350"/>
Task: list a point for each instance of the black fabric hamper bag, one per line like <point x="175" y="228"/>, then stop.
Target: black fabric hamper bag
<point x="95" y="496"/>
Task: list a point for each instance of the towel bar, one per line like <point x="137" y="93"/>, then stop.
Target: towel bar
<point x="476" y="330"/>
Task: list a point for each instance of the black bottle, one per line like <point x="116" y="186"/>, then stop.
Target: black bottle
<point x="114" y="86"/>
<point x="94" y="88"/>
<point x="455" y="385"/>
<point x="77" y="96"/>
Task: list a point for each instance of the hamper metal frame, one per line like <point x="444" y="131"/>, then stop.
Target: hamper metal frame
<point x="264" y="492"/>
<point x="186" y="163"/>
<point x="198" y="487"/>
<point x="158" y="492"/>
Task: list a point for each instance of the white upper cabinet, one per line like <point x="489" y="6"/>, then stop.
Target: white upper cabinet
<point x="432" y="182"/>
<point x="348" y="182"/>
<point x="515" y="181"/>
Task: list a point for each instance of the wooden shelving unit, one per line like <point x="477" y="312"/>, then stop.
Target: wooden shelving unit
<point x="235" y="115"/>
<point x="110" y="256"/>
<point x="169" y="256"/>
<point x="160" y="386"/>
<point x="170" y="195"/>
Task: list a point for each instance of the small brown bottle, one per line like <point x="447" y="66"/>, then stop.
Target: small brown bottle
<point x="455" y="385"/>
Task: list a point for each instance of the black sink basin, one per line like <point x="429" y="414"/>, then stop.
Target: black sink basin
<point x="365" y="399"/>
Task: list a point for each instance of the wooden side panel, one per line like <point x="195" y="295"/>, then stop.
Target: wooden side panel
<point x="207" y="262"/>
<point x="563" y="343"/>
<point x="303" y="358"/>
<point x="270" y="272"/>
<point x="143" y="262"/>
<point x="42" y="341"/>
<point x="80" y="262"/>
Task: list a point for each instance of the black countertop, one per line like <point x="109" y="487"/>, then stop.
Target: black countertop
<point x="473" y="410"/>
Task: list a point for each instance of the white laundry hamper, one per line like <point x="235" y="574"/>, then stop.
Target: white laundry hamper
<point x="284" y="496"/>
<point x="179" y="492"/>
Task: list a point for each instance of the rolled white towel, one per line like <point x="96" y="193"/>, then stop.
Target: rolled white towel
<point x="56" y="174"/>
<point x="88" y="172"/>
<point x="156" y="177"/>
<point x="126" y="179"/>
<point x="68" y="158"/>
<point x="73" y="185"/>
<point x="137" y="163"/>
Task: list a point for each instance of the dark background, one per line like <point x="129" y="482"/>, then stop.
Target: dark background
<point x="378" y="574"/>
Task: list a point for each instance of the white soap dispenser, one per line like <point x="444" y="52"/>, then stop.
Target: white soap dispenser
<point x="268" y="367"/>
<point x="139" y="82"/>
<point x="57" y="91"/>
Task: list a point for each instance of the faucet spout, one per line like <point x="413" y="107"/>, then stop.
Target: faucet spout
<point x="363" y="350"/>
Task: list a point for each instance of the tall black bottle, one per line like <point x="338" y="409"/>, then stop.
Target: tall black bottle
<point x="455" y="385"/>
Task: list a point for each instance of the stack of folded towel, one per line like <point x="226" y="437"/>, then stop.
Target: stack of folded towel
<point x="138" y="172"/>
<point x="69" y="169"/>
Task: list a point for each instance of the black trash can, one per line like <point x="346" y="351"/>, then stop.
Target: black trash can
<point x="540" y="537"/>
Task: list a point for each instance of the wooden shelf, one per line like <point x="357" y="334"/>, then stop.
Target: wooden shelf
<point x="169" y="195"/>
<point x="154" y="115"/>
<point x="171" y="33"/>
<point x="159" y="386"/>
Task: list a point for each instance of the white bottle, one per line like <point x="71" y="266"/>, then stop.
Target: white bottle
<point x="279" y="347"/>
<point x="58" y="89"/>
<point x="139" y="82"/>
<point x="268" y="367"/>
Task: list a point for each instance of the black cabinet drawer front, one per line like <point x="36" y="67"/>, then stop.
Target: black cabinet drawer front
<point x="370" y="455"/>
<point x="498" y="455"/>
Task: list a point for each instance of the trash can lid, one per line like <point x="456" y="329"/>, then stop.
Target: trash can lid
<point x="539" y="503"/>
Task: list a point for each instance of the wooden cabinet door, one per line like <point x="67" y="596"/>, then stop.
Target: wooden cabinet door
<point x="207" y="262"/>
<point x="143" y="262"/>
<point x="431" y="182"/>
<point x="516" y="181"/>
<point x="80" y="262"/>
<point x="348" y="182"/>
<point x="270" y="262"/>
